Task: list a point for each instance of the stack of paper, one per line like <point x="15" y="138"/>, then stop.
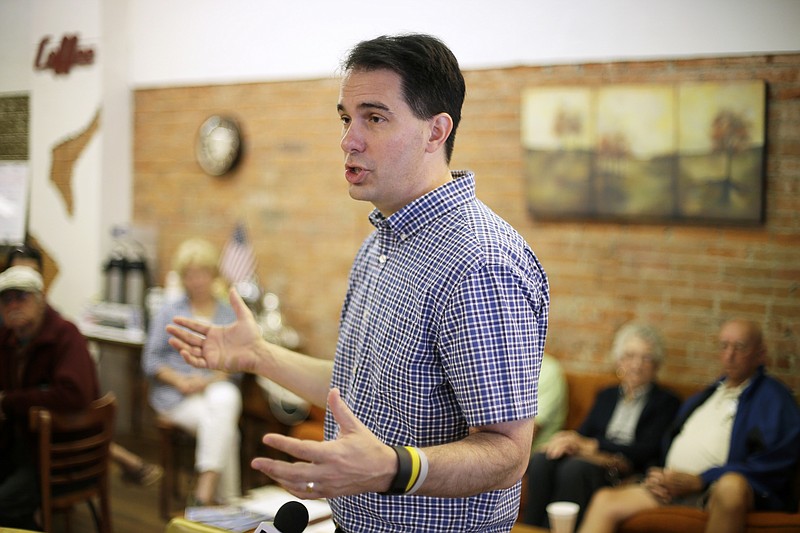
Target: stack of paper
<point x="228" y="517"/>
<point x="268" y="499"/>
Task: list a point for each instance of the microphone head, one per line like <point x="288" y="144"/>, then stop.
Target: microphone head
<point x="292" y="517"/>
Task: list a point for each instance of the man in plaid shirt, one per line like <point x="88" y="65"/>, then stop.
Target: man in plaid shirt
<point x="432" y="392"/>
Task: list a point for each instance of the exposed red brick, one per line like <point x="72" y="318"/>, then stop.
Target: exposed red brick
<point x="289" y="189"/>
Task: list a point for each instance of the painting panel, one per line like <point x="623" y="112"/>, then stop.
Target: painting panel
<point x="721" y="150"/>
<point x="685" y="152"/>
<point x="557" y="138"/>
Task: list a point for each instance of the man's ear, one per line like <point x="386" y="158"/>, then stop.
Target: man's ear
<point x="441" y="126"/>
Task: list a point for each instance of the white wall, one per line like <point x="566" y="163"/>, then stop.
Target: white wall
<point x="60" y="108"/>
<point x="148" y="43"/>
<point x="15" y="37"/>
<point x="203" y="41"/>
<point x="200" y="41"/>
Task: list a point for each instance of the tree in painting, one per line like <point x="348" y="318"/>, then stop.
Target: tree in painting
<point x="567" y="124"/>
<point x="613" y="152"/>
<point x="730" y="135"/>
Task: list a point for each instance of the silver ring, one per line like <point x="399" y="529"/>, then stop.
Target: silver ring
<point x="310" y="487"/>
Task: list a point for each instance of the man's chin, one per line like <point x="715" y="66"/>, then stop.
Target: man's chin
<point x="358" y="192"/>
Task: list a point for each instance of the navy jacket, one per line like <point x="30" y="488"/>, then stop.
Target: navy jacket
<point x="765" y="440"/>
<point x="655" y="420"/>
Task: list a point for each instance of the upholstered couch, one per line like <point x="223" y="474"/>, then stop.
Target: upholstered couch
<point x="673" y="519"/>
<point x="583" y="387"/>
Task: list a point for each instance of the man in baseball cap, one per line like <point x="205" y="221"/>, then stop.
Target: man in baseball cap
<point x="44" y="361"/>
<point x="20" y="298"/>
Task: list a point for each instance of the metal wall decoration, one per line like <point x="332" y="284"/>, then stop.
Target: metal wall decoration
<point x="688" y="152"/>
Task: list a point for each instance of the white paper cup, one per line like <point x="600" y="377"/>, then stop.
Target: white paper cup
<point x="562" y="516"/>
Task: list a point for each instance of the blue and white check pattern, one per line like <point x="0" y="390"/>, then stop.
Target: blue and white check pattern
<point x="442" y="329"/>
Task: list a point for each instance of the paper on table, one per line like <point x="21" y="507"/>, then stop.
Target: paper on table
<point x="227" y="517"/>
<point x="268" y="499"/>
<point x="326" y="526"/>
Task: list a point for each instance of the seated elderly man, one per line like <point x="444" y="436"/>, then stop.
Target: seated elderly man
<point x="44" y="361"/>
<point x="734" y="446"/>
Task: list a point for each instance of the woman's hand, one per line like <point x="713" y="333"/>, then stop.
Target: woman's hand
<point x="565" y="443"/>
<point x="191" y="384"/>
<point x="232" y="348"/>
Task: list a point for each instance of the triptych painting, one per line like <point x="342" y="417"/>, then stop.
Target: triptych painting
<point x="683" y="152"/>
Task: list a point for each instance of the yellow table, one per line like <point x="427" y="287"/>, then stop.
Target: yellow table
<point x="181" y="525"/>
<point x="524" y="528"/>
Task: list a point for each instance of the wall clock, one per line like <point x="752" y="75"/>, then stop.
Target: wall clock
<point x="218" y="145"/>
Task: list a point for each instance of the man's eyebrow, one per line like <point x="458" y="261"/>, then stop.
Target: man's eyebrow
<point x="366" y="105"/>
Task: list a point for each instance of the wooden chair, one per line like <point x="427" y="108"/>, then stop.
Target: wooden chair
<point x="176" y="445"/>
<point x="257" y="419"/>
<point x="74" y="460"/>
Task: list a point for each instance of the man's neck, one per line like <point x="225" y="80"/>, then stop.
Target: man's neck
<point x="437" y="180"/>
<point x="730" y="384"/>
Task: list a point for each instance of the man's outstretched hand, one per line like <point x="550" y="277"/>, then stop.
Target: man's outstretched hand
<point x="230" y="348"/>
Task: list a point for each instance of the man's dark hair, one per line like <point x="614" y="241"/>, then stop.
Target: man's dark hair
<point x="25" y="252"/>
<point x="431" y="80"/>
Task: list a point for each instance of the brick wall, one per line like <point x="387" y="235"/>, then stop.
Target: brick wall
<point x="290" y="190"/>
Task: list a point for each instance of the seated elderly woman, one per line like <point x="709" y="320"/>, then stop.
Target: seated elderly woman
<point x="620" y="436"/>
<point x="204" y="402"/>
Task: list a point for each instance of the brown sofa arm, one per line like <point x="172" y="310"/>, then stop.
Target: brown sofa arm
<point x="678" y="519"/>
<point x="310" y="429"/>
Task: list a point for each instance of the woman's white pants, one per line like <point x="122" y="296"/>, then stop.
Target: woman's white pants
<point x="212" y="416"/>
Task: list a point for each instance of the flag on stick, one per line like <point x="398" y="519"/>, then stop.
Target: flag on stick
<point x="237" y="262"/>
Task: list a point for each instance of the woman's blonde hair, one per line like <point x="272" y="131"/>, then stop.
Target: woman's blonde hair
<point x="198" y="252"/>
<point x="195" y="252"/>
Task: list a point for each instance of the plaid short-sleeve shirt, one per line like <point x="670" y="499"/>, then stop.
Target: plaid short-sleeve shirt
<point x="442" y="329"/>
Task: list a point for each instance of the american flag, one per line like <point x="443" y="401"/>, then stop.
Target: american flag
<point x="237" y="263"/>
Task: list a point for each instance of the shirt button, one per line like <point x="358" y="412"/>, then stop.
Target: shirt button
<point x="382" y="259"/>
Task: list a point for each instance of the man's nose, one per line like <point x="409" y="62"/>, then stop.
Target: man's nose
<point x="352" y="140"/>
<point x="727" y="354"/>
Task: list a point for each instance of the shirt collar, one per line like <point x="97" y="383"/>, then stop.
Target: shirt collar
<point x="737" y="390"/>
<point x="417" y="214"/>
<point x="636" y="393"/>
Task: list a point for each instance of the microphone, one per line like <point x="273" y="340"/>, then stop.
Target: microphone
<point x="292" y="517"/>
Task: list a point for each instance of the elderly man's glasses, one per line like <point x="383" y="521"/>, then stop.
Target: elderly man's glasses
<point x="13" y="295"/>
<point x="736" y="347"/>
<point x="645" y="359"/>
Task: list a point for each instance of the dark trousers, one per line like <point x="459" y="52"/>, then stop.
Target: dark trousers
<point x="19" y="497"/>
<point x="565" y="479"/>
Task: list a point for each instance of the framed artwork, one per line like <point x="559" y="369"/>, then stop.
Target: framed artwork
<point x="686" y="152"/>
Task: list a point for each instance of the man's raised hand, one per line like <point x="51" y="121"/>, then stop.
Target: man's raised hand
<point x="228" y="348"/>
